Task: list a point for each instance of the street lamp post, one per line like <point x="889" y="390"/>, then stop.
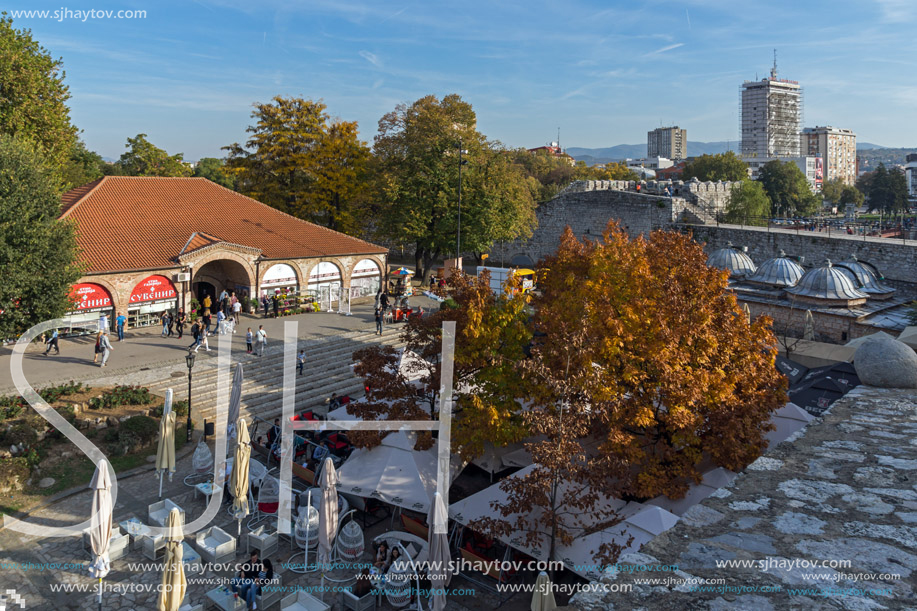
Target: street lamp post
<point x="189" y="359"/>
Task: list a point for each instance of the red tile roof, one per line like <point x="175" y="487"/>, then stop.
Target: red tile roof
<point x="127" y="223"/>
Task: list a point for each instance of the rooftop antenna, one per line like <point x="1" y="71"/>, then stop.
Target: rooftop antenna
<point x="774" y="69"/>
<point x="558" y="138"/>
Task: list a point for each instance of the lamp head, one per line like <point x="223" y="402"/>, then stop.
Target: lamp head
<point x="189" y="359"/>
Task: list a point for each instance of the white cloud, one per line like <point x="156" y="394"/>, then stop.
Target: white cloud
<point x="371" y="58"/>
<point x="667" y="48"/>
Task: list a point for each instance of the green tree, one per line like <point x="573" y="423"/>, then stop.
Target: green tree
<point x="547" y="173"/>
<point x="608" y="171"/>
<point x="417" y="149"/>
<point x="831" y="190"/>
<point x="788" y="189"/>
<point x="723" y="166"/>
<point x="83" y="166"/>
<point x="33" y="96"/>
<point x="748" y="204"/>
<point x="143" y="158"/>
<point x="300" y="161"/>
<point x="38" y="251"/>
<point x="212" y="169"/>
<point x="887" y="191"/>
<point x="851" y="195"/>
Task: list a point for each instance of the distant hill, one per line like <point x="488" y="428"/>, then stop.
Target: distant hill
<point x="637" y="151"/>
<point x="871" y="158"/>
<point x="865" y="146"/>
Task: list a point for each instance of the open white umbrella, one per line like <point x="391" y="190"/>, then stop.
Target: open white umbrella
<point x="543" y="598"/>
<point x="235" y="403"/>
<point x="173" y="572"/>
<point x="439" y="558"/>
<point x="239" y="480"/>
<point x="100" y="524"/>
<point x="165" y="451"/>
<point x="327" y="516"/>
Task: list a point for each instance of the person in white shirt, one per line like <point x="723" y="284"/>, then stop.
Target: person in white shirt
<point x="261" y="337"/>
<point x="236" y="310"/>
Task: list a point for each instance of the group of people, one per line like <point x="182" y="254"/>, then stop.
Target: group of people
<point x="252" y="576"/>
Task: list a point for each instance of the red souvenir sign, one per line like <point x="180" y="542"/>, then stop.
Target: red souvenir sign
<point x="88" y="296"/>
<point x="154" y="288"/>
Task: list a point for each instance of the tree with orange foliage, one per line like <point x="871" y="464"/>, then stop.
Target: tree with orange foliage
<point x="491" y="336"/>
<point x="682" y="377"/>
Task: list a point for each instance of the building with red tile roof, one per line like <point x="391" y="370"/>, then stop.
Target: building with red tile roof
<point x="150" y="244"/>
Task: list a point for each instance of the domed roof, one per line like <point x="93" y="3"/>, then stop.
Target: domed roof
<point x="736" y="261"/>
<point x="863" y="277"/>
<point x="828" y="283"/>
<point x="780" y="271"/>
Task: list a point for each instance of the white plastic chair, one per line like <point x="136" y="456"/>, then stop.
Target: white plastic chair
<point x="305" y="533"/>
<point x="350" y="543"/>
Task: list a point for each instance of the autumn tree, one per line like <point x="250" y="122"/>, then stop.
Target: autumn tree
<point x="33" y="96"/>
<point x="748" y="204"/>
<point x="608" y="171"/>
<point x="143" y="158"/>
<point x="298" y="160"/>
<point x="491" y="337"/>
<point x="566" y="494"/>
<point x="723" y="166"/>
<point x="683" y="377"/>
<point x="417" y="149"/>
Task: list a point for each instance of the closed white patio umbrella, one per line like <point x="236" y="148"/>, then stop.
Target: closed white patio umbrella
<point x="174" y="585"/>
<point x="439" y="572"/>
<point x="239" y="480"/>
<point x="543" y="597"/>
<point x="165" y="451"/>
<point x="327" y="516"/>
<point x="100" y="525"/>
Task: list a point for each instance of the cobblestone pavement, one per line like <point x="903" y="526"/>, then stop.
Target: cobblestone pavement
<point x="845" y="489"/>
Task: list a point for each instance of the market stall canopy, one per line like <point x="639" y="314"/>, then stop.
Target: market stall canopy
<point x="394" y="473"/>
<point x="402" y="271"/>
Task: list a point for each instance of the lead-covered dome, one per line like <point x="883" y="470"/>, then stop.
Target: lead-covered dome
<point x="827" y="286"/>
<point x="781" y="272"/>
<point x="737" y="262"/>
<point x="865" y="279"/>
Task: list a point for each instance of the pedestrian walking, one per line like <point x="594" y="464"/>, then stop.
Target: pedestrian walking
<point x="221" y="318"/>
<point x="98" y="347"/>
<point x="432" y="283"/>
<point x="264" y="304"/>
<point x="164" y="319"/>
<point x="119" y="323"/>
<point x="383" y="301"/>
<point x="103" y="322"/>
<point x="300" y="361"/>
<point x="249" y="338"/>
<point x="52" y="343"/>
<point x="379" y="317"/>
<point x="180" y="322"/>
<point x="170" y="322"/>
<point x="206" y="320"/>
<point x="207" y="302"/>
<point x="262" y="340"/>
<point x="202" y="341"/>
<point x="106" y="349"/>
<point x="196" y="334"/>
<point x="276" y="305"/>
<point x="236" y="309"/>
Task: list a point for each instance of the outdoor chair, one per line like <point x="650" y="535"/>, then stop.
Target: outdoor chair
<point x="256" y="473"/>
<point x="201" y="462"/>
<point x="305" y="533"/>
<point x="415" y="527"/>
<point x="368" y="507"/>
<point x="268" y="500"/>
<point x="302" y="601"/>
<point x="188" y="607"/>
<point x="303" y="473"/>
<point x="158" y="512"/>
<point x="351" y="602"/>
<point x="349" y="544"/>
<point x="263" y="540"/>
<point x="270" y="593"/>
<point x="215" y="545"/>
<point x="118" y="545"/>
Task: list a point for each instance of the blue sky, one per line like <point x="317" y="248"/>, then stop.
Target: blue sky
<point x="604" y="72"/>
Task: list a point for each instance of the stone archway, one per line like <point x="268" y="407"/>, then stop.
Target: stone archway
<point x="218" y="275"/>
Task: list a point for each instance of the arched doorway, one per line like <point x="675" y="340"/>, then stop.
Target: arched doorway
<point x="325" y="284"/>
<point x="366" y="279"/>
<point x="90" y="301"/>
<point x="279" y="277"/>
<point x="222" y="274"/>
<point x="150" y="298"/>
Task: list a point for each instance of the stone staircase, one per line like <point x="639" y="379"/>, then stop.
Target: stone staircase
<point x="327" y="370"/>
<point x="694" y="214"/>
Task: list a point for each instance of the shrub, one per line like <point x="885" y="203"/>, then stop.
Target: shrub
<point x="180" y="408"/>
<point x="13" y="473"/>
<point x="21" y="435"/>
<point x="10" y="407"/>
<point x="136" y="431"/>
<point x="121" y="395"/>
<point x="449" y="304"/>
